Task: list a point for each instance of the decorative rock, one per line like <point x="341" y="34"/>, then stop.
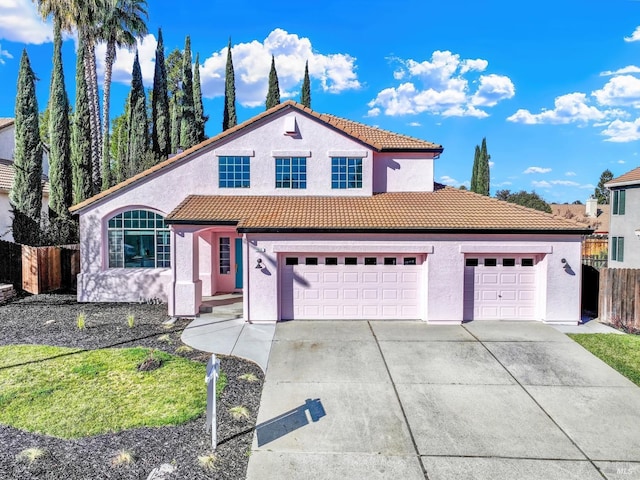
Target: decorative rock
<point x="162" y="472"/>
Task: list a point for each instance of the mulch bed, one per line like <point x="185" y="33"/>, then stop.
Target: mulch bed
<point x="51" y="320"/>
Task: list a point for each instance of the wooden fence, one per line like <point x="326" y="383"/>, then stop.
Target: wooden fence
<point x="595" y="251"/>
<point x="619" y="297"/>
<point x="39" y="269"/>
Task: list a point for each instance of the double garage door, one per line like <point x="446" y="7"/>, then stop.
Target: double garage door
<point x="382" y="286"/>
<point x="500" y="288"/>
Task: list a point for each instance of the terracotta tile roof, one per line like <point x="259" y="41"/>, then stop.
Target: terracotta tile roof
<point x="599" y="223"/>
<point x="5" y="122"/>
<point x="6" y="177"/>
<point x="625" y="179"/>
<point x="444" y="209"/>
<point x="376" y="138"/>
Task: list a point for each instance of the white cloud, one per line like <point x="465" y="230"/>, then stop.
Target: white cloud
<point x="491" y="164"/>
<point x="570" y="174"/>
<point x="503" y="184"/>
<point x="635" y="36"/>
<point x="537" y="170"/>
<point x="621" y="162"/>
<point x="20" y="22"/>
<point x="566" y="183"/>
<point x="588" y="186"/>
<point x="415" y="124"/>
<point x="622" y="90"/>
<point x="4" y="54"/>
<point x="621" y="71"/>
<point x="620" y="131"/>
<point x="442" y="86"/>
<point x="336" y="72"/>
<point x="124" y="61"/>
<point x="569" y="108"/>
<point x="447" y="180"/>
<point x="541" y="184"/>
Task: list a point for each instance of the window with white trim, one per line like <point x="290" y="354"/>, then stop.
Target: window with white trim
<point x="291" y="172"/>
<point x="346" y="172"/>
<point x="138" y="239"/>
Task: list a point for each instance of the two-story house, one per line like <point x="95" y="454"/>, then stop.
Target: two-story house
<point x="624" y="229"/>
<point x="312" y="216"/>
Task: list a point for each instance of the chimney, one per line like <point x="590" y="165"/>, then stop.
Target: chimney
<point x="592" y="207"/>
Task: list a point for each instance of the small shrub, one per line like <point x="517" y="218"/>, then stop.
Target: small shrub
<point x="30" y="455"/>
<point x="165" y="338"/>
<point x="123" y="457"/>
<point x="81" y="321"/>
<point x="184" y="349"/>
<point x="131" y="320"/>
<point x="239" y="412"/>
<point x="150" y="363"/>
<point x="208" y="462"/>
<point x="248" y="377"/>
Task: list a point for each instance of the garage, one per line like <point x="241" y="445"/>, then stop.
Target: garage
<point x="350" y="287"/>
<point x="500" y="287"/>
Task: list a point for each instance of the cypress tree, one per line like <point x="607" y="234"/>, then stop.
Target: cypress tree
<point x="229" y="118"/>
<point x="26" y="192"/>
<point x="188" y="128"/>
<point x="305" y="98"/>
<point x="474" y="170"/>
<point x="81" y="134"/>
<point x="198" y="108"/>
<point x="176" y="121"/>
<point x="483" y="170"/>
<point x="60" y="177"/>
<point x="160" y="115"/>
<point x="120" y="144"/>
<point x="138" y="144"/>
<point x="273" y="94"/>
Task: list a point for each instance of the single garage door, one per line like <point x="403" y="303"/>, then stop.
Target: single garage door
<point x="500" y="288"/>
<point x="319" y="287"/>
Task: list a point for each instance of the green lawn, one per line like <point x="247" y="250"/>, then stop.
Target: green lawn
<point x="622" y="352"/>
<point x="98" y="391"/>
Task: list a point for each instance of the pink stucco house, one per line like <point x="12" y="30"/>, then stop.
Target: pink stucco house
<point x="317" y="217"/>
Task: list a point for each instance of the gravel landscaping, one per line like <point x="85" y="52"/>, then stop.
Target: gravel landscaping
<point x="52" y="320"/>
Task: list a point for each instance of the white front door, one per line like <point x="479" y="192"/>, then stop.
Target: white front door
<point x="500" y="287"/>
<point x="344" y="287"/>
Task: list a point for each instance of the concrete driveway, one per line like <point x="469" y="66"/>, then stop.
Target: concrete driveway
<point x="406" y="400"/>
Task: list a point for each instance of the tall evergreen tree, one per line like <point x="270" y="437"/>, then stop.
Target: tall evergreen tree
<point x="160" y="115"/>
<point x="484" y="178"/>
<point x="120" y="145"/>
<point x="26" y="192"/>
<point x="188" y="127"/>
<point x="60" y="176"/>
<point x="474" y="171"/>
<point x="138" y="144"/>
<point x="198" y="107"/>
<point x="601" y="192"/>
<point x="273" y="93"/>
<point x="81" y="135"/>
<point x="229" y="118"/>
<point x="305" y="97"/>
<point x="176" y="120"/>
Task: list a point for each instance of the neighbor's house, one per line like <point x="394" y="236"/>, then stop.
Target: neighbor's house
<point x="624" y="231"/>
<point x="312" y="216"/>
<point x="7" y="146"/>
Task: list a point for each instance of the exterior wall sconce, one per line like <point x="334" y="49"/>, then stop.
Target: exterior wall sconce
<point x="260" y="265"/>
<point x="637" y="232"/>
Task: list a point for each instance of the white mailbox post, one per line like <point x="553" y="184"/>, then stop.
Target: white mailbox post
<point x="213" y="371"/>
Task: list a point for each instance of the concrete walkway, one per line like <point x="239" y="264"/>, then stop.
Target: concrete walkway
<point x="406" y="400"/>
<point x="223" y="331"/>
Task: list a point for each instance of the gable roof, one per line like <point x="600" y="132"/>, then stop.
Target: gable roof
<point x="375" y="138"/>
<point x="446" y="209"/>
<point x="599" y="223"/>
<point x="6" y="177"/>
<point x="628" y="178"/>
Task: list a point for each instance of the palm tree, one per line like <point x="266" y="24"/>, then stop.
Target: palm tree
<point x="122" y="23"/>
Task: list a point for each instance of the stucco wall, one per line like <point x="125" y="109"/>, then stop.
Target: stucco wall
<point x="402" y="173"/>
<point x="625" y="226"/>
<point x="443" y="281"/>
<point x="6" y="217"/>
<point x="7" y="142"/>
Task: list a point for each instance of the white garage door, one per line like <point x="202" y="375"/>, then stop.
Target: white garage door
<point x="354" y="287"/>
<point x="500" y="288"/>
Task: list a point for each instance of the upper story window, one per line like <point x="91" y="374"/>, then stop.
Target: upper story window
<point x="291" y="172"/>
<point x="234" y="172"/>
<point x="138" y="239"/>
<point x="346" y="172"/>
<point x="619" y="197"/>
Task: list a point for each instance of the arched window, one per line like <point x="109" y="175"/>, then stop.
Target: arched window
<point x="138" y="239"/>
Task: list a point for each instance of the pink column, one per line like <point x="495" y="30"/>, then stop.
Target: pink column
<point x="185" y="296"/>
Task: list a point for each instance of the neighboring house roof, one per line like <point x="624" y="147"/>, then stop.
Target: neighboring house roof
<point x="5" y="122"/>
<point x="375" y="138"/>
<point x="628" y="178"/>
<point x="6" y="177"/>
<point x="445" y="209"/>
<point x="599" y="223"/>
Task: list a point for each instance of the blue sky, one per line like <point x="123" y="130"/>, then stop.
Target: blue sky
<point x="554" y="86"/>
